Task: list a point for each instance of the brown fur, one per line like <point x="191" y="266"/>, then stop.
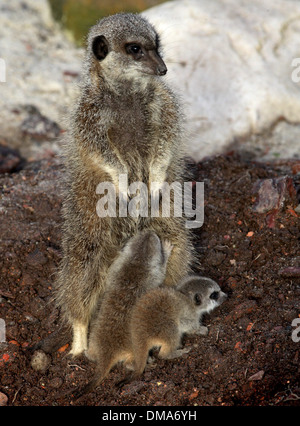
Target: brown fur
<point x="126" y="121"/>
<point x="140" y="267"/>
<point x="162" y="315"/>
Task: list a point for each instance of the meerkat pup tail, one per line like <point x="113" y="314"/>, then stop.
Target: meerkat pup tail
<point x="161" y="317"/>
<point x="100" y="374"/>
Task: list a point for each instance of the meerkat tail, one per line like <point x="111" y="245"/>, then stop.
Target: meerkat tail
<point x="139" y="365"/>
<point x="84" y="390"/>
<point x="98" y="378"/>
<point x="54" y="341"/>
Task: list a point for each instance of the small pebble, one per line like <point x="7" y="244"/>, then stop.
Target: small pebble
<point x="40" y="361"/>
<point x="3" y="399"/>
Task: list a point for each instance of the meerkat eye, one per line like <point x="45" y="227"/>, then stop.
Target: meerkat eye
<point x="214" y="295"/>
<point x="135" y="50"/>
<point x="197" y="299"/>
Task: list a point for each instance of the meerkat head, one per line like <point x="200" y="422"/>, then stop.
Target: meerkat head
<point x="204" y="293"/>
<point x="126" y="46"/>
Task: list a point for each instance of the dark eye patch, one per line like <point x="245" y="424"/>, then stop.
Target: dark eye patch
<point x="214" y="295"/>
<point x="134" y="49"/>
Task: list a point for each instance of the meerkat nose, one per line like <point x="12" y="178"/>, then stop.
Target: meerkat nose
<point x="162" y="70"/>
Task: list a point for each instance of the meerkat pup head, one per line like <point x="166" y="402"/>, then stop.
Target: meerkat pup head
<point x="205" y="293"/>
<point x="124" y="45"/>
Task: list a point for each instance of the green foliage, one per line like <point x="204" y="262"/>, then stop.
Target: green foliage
<point x="78" y="16"/>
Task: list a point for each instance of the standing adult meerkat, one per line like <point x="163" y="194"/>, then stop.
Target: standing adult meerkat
<point x="126" y="121"/>
<point x="162" y="315"/>
<point x="140" y="267"/>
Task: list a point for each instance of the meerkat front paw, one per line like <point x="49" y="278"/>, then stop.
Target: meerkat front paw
<point x="168" y="247"/>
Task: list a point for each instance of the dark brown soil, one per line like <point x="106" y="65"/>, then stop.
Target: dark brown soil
<point x="249" y="243"/>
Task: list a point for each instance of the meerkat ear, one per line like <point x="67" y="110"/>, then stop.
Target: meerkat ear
<point x="100" y="47"/>
<point x="197" y="299"/>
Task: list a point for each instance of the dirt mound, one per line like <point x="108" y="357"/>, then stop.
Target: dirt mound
<point x="249" y="243"/>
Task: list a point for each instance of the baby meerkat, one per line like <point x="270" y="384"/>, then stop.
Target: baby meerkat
<point x="127" y="121"/>
<point x="140" y="267"/>
<point x="162" y="315"/>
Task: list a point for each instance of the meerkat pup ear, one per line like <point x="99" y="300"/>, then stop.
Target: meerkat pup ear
<point x="100" y="47"/>
<point x="197" y="299"/>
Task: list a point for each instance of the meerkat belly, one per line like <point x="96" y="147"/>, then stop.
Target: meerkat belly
<point x="134" y="145"/>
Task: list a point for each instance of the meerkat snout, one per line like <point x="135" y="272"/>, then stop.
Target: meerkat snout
<point x="158" y="64"/>
<point x="150" y="58"/>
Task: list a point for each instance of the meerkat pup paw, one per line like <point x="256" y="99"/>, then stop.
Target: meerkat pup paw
<point x="202" y="331"/>
<point x="175" y="354"/>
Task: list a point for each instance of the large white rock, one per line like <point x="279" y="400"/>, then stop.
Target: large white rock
<point x="230" y="60"/>
<point x="38" y="63"/>
<point x="232" y="63"/>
